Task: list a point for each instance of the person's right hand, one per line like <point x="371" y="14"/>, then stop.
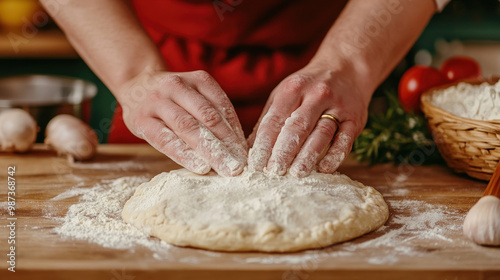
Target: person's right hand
<point x="188" y="117"/>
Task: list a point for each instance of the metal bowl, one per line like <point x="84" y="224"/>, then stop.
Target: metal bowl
<point x="45" y="96"/>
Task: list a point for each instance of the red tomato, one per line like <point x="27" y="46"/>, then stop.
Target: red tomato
<point x="460" y="67"/>
<point x="416" y="81"/>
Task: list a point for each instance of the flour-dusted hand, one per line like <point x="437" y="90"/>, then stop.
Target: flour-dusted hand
<point x="291" y="134"/>
<point x="188" y="117"/>
<point x="366" y="41"/>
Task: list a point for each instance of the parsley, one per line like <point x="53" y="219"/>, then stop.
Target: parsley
<point x="396" y="136"/>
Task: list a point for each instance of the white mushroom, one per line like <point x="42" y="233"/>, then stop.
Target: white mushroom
<point x="17" y="130"/>
<point x="70" y="136"/>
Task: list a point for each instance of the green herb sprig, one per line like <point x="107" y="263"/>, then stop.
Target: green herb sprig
<point x="396" y="136"/>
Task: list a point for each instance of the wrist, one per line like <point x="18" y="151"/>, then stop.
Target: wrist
<point x="355" y="71"/>
<point x="128" y="73"/>
<point x="136" y="83"/>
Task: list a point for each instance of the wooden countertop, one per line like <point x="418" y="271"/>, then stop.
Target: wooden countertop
<point x="421" y="240"/>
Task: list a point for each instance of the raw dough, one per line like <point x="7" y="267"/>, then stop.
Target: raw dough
<point x="255" y="211"/>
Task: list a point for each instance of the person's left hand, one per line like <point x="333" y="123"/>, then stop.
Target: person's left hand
<point x="291" y="135"/>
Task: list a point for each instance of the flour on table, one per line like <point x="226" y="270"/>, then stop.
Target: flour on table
<point x="255" y="211"/>
<point x="96" y="217"/>
<point x="478" y="102"/>
<point x="112" y="165"/>
<point x="413" y="226"/>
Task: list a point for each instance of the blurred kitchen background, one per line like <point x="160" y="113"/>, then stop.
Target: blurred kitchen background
<point x="31" y="43"/>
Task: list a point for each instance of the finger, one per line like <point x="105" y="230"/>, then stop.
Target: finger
<point x="216" y="95"/>
<point x="205" y="112"/>
<point x="252" y="136"/>
<point x="265" y="137"/>
<point x="312" y="150"/>
<point x="202" y="140"/>
<point x="164" y="140"/>
<point x="272" y="122"/>
<point x="293" y="134"/>
<point x="341" y="147"/>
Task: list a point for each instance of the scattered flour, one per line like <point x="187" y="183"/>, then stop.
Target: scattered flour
<point x="413" y="225"/>
<point x="478" y="102"/>
<point x="112" y="165"/>
<point x="76" y="190"/>
<point x="426" y="222"/>
<point x="389" y="259"/>
<point x="398" y="192"/>
<point x="289" y="259"/>
<point x="97" y="217"/>
<point x="400" y="178"/>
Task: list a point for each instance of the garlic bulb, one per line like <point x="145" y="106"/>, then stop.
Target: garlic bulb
<point x="482" y="223"/>
<point x="17" y="130"/>
<point x="70" y="136"/>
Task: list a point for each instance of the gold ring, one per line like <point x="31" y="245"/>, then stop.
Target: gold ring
<point x="331" y="117"/>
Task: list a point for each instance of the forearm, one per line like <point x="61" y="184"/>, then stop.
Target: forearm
<point x="108" y="37"/>
<point x="370" y="38"/>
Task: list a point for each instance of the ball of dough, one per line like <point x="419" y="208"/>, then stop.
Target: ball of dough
<point x="17" y="130"/>
<point x="255" y="211"/>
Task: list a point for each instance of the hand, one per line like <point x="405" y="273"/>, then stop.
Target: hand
<point x="290" y="134"/>
<point x="188" y="117"/>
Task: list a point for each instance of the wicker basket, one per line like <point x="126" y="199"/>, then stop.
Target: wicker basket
<point x="467" y="145"/>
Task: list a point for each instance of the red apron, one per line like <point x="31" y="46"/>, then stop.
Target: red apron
<point x="247" y="46"/>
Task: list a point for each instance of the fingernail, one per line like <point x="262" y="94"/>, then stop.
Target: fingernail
<point x="331" y="165"/>
<point x="259" y="154"/>
<point x="202" y="169"/>
<point x="198" y="166"/>
<point x="256" y="159"/>
<point x="299" y="170"/>
<point x="304" y="164"/>
<point x="230" y="167"/>
<point x="276" y="168"/>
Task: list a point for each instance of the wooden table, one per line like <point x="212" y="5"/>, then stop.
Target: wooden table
<point x="412" y="245"/>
